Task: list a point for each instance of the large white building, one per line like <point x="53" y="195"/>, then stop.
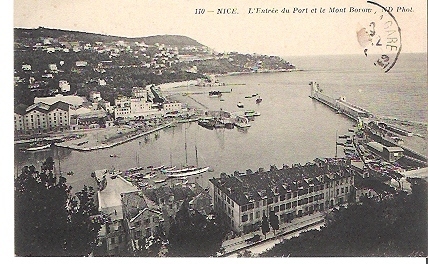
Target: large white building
<point x="139" y="106"/>
<point x="288" y="192"/>
<point x="41" y="117"/>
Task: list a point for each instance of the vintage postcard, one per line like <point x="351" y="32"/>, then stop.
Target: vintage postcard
<point x="197" y="128"/>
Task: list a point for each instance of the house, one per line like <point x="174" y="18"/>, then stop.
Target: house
<point x="26" y="67"/>
<point x="290" y="192"/>
<point x="143" y="219"/>
<point x="95" y="96"/>
<point x="169" y="200"/>
<point x="112" y="235"/>
<point x="52" y="67"/>
<point x="64" y="86"/>
<point x="81" y="63"/>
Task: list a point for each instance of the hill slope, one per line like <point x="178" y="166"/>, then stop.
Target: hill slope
<point x="67" y="35"/>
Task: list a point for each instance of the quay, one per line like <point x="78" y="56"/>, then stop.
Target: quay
<point x="363" y="116"/>
<point x="339" y="105"/>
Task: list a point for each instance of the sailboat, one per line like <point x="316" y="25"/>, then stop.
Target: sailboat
<point x="186" y="170"/>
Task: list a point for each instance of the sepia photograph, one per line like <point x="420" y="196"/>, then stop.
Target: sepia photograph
<point x="219" y="129"/>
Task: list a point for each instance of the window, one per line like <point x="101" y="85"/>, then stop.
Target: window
<point x="288" y="206"/>
<point x="282" y="207"/>
<point x="341" y="190"/>
<point x="250" y="206"/>
<point x="282" y="197"/>
<point x="311" y="199"/>
<point x="294" y="204"/>
<point x="251" y="216"/>
<point x="337" y="192"/>
<point x="346" y="189"/>
<point x="264" y="202"/>
<point x="244" y="218"/>
<point x="276" y="209"/>
<point x="275" y="199"/>
<point x="257" y="214"/>
<point x="270" y="201"/>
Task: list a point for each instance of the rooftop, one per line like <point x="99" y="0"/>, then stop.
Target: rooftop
<point x="250" y="187"/>
<point x="109" y="199"/>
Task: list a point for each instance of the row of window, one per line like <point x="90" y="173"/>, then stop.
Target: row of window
<point x="276" y="199"/>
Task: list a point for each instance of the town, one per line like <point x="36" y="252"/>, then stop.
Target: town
<point x="90" y="95"/>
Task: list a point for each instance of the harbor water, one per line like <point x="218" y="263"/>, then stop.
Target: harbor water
<point x="292" y="128"/>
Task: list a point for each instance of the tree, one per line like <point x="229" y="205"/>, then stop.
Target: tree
<point x="49" y="220"/>
<point x="192" y="235"/>
<point x="265" y="225"/>
<point x="274" y="221"/>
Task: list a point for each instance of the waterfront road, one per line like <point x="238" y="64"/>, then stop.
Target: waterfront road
<point x="233" y="246"/>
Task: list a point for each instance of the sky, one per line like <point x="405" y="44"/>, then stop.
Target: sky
<point x="292" y="34"/>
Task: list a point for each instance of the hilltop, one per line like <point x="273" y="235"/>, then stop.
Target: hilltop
<point x="68" y="35"/>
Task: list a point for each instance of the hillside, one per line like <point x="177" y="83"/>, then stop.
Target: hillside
<point x="67" y="35"/>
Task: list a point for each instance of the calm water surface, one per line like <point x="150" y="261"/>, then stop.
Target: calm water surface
<point x="291" y="129"/>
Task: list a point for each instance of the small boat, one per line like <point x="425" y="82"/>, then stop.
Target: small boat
<point x="70" y="173"/>
<point x="240" y="105"/>
<point x="158" y="168"/>
<point x="258" y="100"/>
<point x="149" y="175"/>
<point x="159" y="181"/>
<point x="221" y="99"/>
<point x="214" y="93"/>
<point x="251" y="113"/>
<point x="37" y="147"/>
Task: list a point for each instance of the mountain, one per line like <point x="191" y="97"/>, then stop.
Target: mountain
<point x="68" y="35"/>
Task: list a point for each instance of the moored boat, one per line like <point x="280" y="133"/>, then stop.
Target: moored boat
<point x="251" y="113"/>
<point x="37" y="147"/>
<point x="187" y="172"/>
<point x="240" y="105"/>
<point x="214" y="93"/>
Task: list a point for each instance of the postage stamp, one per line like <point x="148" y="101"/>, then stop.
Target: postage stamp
<point x="380" y="37"/>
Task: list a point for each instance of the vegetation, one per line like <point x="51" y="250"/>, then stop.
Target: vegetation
<point x="49" y="220"/>
<point x="265" y="225"/>
<point x="391" y="227"/>
<point x="192" y="235"/>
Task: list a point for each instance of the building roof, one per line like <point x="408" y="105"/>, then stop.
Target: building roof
<point x="394" y="149"/>
<point x="110" y="196"/>
<point x="60" y="105"/>
<point x="244" y="189"/>
<point x="40" y="106"/>
<point x="70" y="99"/>
<point x="165" y="193"/>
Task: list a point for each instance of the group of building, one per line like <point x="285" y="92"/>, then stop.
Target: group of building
<point x="71" y="112"/>
<point x="136" y="214"/>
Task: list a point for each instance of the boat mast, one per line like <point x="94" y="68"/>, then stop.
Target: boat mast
<point x="185" y="143"/>
<point x="196" y="150"/>
<point x="336" y="145"/>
